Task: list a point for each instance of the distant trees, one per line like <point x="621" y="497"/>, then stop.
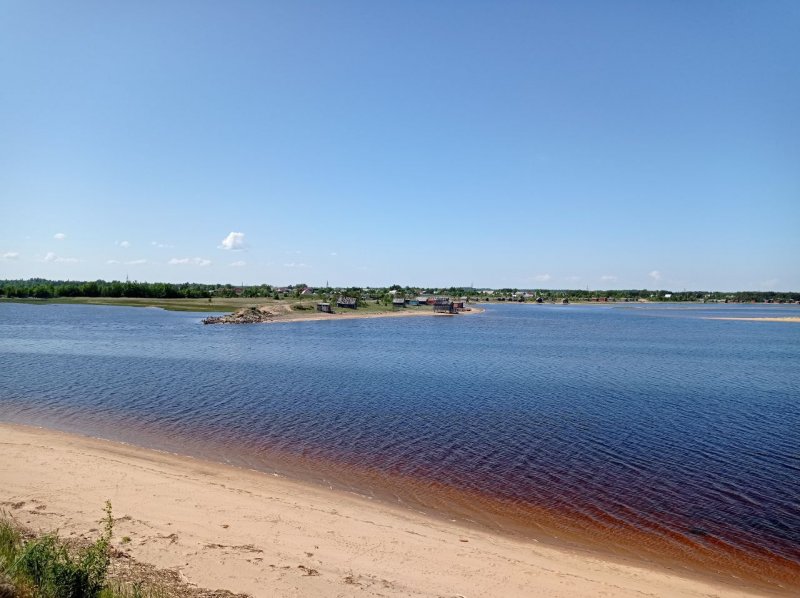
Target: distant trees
<point x="51" y="289"/>
<point x="38" y="288"/>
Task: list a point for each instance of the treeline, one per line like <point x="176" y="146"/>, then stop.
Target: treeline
<point x="39" y="288"/>
<point x="647" y="295"/>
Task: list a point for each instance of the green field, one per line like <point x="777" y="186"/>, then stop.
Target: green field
<point x="204" y="305"/>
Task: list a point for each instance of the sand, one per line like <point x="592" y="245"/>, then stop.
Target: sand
<point x="221" y="527"/>
<point x="275" y="313"/>
<point x="766" y="319"/>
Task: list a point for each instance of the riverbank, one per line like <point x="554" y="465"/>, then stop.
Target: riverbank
<point x="285" y="310"/>
<point x="244" y="531"/>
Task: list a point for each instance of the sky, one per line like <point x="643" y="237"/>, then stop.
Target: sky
<point x="497" y="144"/>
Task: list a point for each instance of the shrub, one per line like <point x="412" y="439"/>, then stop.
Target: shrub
<point x="47" y="565"/>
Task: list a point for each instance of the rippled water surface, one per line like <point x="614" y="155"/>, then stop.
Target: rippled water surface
<point x="650" y="430"/>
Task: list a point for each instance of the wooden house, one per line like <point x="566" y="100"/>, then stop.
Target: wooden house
<point x="324" y="308"/>
<point x="398" y="303"/>
<point x="443" y="305"/>
<point x="348" y="302"/>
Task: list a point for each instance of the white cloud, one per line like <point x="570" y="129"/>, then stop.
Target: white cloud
<point x="161" y="245"/>
<point x="572" y="278"/>
<point x="136" y="262"/>
<point x="542" y="278"/>
<point x="608" y="277"/>
<point x="194" y="261"/>
<point x="333" y="253"/>
<point x="239" y="264"/>
<point x="112" y="261"/>
<point x="234" y="241"/>
<point x="10" y="255"/>
<point x="655" y="275"/>
<point x="124" y="244"/>
<point x="52" y="257"/>
<point x="294" y="265"/>
<point x="59" y="236"/>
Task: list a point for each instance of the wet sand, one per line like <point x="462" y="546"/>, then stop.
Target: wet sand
<point x="224" y="527"/>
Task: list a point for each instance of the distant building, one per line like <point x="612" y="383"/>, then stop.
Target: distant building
<point x="347" y="302"/>
<point x="324" y="308"/>
<point x="398" y="303"/>
<point x="443" y="305"/>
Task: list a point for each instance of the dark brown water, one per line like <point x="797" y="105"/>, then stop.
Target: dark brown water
<point x="650" y="432"/>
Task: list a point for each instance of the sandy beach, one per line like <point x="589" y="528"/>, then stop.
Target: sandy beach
<point x="221" y="527"/>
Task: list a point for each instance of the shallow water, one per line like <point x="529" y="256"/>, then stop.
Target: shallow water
<point x="647" y="429"/>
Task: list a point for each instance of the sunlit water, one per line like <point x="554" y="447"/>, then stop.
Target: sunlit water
<point x="649" y="430"/>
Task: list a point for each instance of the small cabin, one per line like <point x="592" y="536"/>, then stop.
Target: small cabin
<point x="325" y="308"/>
<point x="398" y="303"/>
<point x="443" y="305"/>
<point x="347" y="302"/>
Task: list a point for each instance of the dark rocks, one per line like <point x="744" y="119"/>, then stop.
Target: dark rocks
<point x="246" y="315"/>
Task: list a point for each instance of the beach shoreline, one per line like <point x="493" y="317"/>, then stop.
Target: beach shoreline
<point x="224" y="527"/>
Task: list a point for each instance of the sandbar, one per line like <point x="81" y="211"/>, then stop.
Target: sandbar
<point x="273" y="313"/>
<point x="765" y="319"/>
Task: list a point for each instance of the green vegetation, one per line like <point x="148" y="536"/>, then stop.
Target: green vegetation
<point x="48" y="567"/>
<point x="227" y="298"/>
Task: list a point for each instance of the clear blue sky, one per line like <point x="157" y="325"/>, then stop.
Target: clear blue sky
<point x="523" y="144"/>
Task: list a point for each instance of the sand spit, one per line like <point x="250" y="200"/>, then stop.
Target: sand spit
<point x="222" y="527"/>
<point x="266" y="314"/>
<point x="765" y="319"/>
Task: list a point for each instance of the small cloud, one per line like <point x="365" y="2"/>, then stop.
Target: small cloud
<point x="334" y="254"/>
<point x="112" y="261"/>
<point x="655" y="275"/>
<point x="234" y="242"/>
<point x="194" y="261"/>
<point x="161" y="245"/>
<point x="52" y="257"/>
<point x="136" y="262"/>
<point x="10" y="255"/>
<point x="608" y="277"/>
<point x="238" y="264"/>
<point x="572" y="278"/>
<point x="542" y="278"/>
<point x="124" y="244"/>
<point x="59" y="236"/>
<point x="295" y="265"/>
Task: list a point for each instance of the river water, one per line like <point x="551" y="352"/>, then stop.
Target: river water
<point x="648" y="431"/>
